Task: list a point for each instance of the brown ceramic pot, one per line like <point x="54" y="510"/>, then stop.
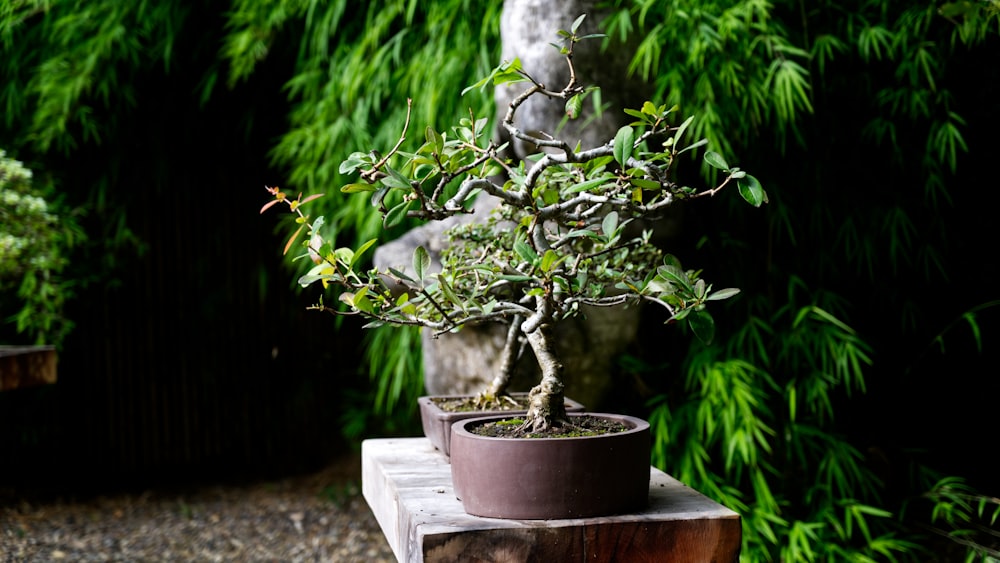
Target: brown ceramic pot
<point x="437" y="422"/>
<point x="552" y="478"/>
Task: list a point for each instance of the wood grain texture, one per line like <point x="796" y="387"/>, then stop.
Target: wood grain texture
<point x="407" y="484"/>
<point x="27" y="366"/>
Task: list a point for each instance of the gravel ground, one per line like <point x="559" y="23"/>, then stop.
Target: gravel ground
<point x="316" y="517"/>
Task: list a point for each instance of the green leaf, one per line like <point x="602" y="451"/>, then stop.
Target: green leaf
<point x="722" y="294"/>
<point x="623" y="145"/>
<point x="645" y="184"/>
<point x="525" y="251"/>
<point x="400" y="275"/>
<point x="358" y="187"/>
<point x="421" y="262"/>
<point x="751" y="190"/>
<point x="588" y="184"/>
<point x="379" y="196"/>
<point x="353" y="162"/>
<point x="361" y="250"/>
<point x="680" y="130"/>
<point x="549" y="260"/>
<point x="344" y="255"/>
<point x="515" y="278"/>
<point x="435" y="139"/>
<point x="702" y="325"/>
<point x="675" y="275"/>
<point x="396" y="215"/>
<point x="715" y="160"/>
<point x="610" y="224"/>
<point x="573" y="106"/>
<point x="395" y="179"/>
<point x="450" y="294"/>
<point x="691" y="147"/>
<point x="576" y="24"/>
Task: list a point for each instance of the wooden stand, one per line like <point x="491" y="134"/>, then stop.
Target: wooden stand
<point x="27" y="366"/>
<point x="407" y="484"/>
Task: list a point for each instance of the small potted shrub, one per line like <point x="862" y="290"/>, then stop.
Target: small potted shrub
<point x="561" y="238"/>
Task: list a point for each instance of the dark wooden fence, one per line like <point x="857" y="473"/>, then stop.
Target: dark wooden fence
<point x="192" y="358"/>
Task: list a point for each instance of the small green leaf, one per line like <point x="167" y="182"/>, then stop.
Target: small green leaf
<point x="573" y="106"/>
<point x="588" y="184"/>
<point x="715" y="160"/>
<point x="421" y="262"/>
<point x="359" y="187"/>
<point x="635" y="113"/>
<point x="395" y="179"/>
<point x="361" y="250"/>
<point x="525" y="251"/>
<point x="353" y="162"/>
<point x="549" y="260"/>
<point x="450" y="294"/>
<point x="722" y="294"/>
<point x="400" y="275"/>
<point x="610" y="224"/>
<point x="361" y="301"/>
<point x="691" y="147"/>
<point x="379" y="196"/>
<point x="396" y="215"/>
<point x="676" y="276"/>
<point x="645" y="184"/>
<point x="623" y="145"/>
<point x="576" y="24"/>
<point x="515" y="278"/>
<point x="680" y="130"/>
<point x="702" y="325"/>
<point x="751" y="190"/>
<point x="434" y="138"/>
<point x="344" y="255"/>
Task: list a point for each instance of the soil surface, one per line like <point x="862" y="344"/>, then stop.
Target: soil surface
<point x="580" y="426"/>
<point x="314" y="517"/>
<point x="467" y="404"/>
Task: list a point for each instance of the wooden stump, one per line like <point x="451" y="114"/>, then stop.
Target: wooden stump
<point x="407" y="484"/>
<point x="26" y="366"/>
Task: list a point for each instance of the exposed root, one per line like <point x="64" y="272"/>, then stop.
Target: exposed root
<point x="540" y="424"/>
<point x="488" y="400"/>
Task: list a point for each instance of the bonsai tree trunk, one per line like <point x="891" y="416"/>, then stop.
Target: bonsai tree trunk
<point x="546" y="406"/>
<point x="497" y="389"/>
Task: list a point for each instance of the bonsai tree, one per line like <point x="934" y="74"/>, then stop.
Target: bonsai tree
<point x="560" y="238"/>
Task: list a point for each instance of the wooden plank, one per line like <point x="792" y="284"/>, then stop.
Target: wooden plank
<point x="27" y="366"/>
<point x="407" y="484"/>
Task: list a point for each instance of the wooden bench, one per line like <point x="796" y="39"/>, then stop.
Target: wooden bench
<point x="27" y="366"/>
<point x="407" y="484"/>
